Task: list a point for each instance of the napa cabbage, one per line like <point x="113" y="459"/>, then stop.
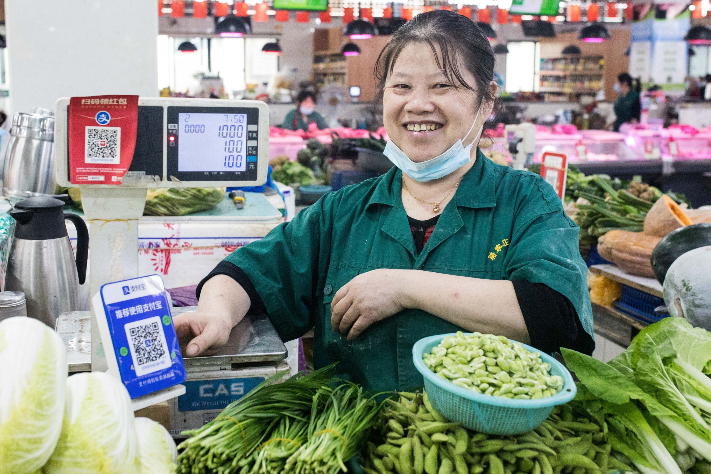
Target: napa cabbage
<point x="157" y="453"/>
<point x="33" y="377"/>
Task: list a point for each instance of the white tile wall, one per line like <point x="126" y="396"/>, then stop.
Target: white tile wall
<point x="606" y="350"/>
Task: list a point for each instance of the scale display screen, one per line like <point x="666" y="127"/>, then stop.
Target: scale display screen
<point x="212" y="142"/>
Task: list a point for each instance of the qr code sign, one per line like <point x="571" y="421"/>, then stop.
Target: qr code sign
<point x="103" y="145"/>
<point x="149" y="348"/>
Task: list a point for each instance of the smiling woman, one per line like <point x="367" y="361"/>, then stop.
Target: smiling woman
<point x="445" y="241"/>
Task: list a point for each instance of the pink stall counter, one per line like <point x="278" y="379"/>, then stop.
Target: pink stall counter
<point x="290" y="142"/>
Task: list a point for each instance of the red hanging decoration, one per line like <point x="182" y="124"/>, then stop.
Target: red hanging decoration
<point x="281" y="16"/>
<point x="516" y="19"/>
<point x="502" y="16"/>
<point x="483" y="14"/>
<point x="160" y="7"/>
<point x="593" y="12"/>
<point x="366" y="14"/>
<point x="325" y="17"/>
<point x="629" y="11"/>
<point x="407" y="14"/>
<point x="387" y="12"/>
<point x="696" y="13"/>
<point x="241" y="9"/>
<point x="348" y="15"/>
<point x="303" y="17"/>
<point x="260" y="13"/>
<point x="551" y="19"/>
<point x="199" y="9"/>
<point x="177" y="8"/>
<point x="446" y="8"/>
<point x="466" y="11"/>
<point x="612" y="10"/>
<point x="427" y="8"/>
<point x="574" y="12"/>
<point x="221" y="9"/>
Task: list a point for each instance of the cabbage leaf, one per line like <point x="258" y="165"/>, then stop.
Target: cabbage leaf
<point x="157" y="453"/>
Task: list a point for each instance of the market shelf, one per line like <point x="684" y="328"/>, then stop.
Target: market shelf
<point x="614" y="325"/>
<point x="567" y="91"/>
<point x="571" y="73"/>
<point x="647" y="285"/>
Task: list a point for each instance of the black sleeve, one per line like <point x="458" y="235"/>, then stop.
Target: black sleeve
<point x="236" y="273"/>
<point x="637" y="110"/>
<point x="551" y="319"/>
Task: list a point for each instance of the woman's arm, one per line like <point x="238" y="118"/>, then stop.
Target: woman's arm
<point x="488" y="306"/>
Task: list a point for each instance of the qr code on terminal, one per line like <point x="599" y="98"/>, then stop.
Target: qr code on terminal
<point x="148" y="346"/>
<point x="103" y="145"/>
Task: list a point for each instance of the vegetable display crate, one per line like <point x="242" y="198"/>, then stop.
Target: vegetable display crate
<point x="639" y="305"/>
<point x="341" y="179"/>
<point x="594" y="257"/>
<point x="486" y="413"/>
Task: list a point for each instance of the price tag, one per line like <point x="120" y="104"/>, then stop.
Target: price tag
<point x="137" y="331"/>
<point x="554" y="169"/>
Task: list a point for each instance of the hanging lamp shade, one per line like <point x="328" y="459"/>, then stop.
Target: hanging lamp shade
<point x="691" y="52"/>
<point x="571" y="50"/>
<point x="360" y="29"/>
<point x="628" y="51"/>
<point x="594" y="33"/>
<point x="698" y="35"/>
<point x="232" y="26"/>
<point x="487" y="29"/>
<point x="501" y="49"/>
<point x="272" y="48"/>
<point x="3" y="42"/>
<point x="350" y="49"/>
<point x="187" y="47"/>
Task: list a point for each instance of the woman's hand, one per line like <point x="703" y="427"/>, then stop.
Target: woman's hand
<point x="202" y="332"/>
<point x="367" y="299"/>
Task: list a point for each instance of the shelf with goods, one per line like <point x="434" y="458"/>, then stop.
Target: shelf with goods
<point x="571" y="76"/>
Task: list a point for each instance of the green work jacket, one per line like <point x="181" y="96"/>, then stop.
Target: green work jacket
<point x="315" y="117"/>
<point x="627" y="107"/>
<point x="501" y="225"/>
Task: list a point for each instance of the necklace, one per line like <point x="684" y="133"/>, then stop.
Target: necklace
<point x="435" y="205"/>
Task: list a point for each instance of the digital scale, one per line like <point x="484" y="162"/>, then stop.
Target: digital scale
<point x="179" y="143"/>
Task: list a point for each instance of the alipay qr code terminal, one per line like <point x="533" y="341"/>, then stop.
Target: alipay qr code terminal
<point x="178" y="143"/>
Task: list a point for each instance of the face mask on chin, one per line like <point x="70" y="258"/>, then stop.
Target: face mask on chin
<point x="448" y="162"/>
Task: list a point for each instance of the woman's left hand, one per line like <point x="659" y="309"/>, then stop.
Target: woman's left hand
<point x="367" y="299"/>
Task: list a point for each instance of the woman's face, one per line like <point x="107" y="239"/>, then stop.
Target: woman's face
<point x="308" y="103"/>
<point x="424" y="113"/>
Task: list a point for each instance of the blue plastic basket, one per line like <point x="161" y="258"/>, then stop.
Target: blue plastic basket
<point x="594" y="257"/>
<point x="639" y="305"/>
<point x="486" y="413"/>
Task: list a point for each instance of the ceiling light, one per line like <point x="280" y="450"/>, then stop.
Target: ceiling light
<point x="272" y="48"/>
<point x="232" y="27"/>
<point x="501" y="49"/>
<point x="359" y="29"/>
<point x="571" y="50"/>
<point x="487" y="30"/>
<point x="698" y="35"/>
<point x="350" y="49"/>
<point x="594" y="33"/>
<point x="187" y="47"/>
<point x="3" y="42"/>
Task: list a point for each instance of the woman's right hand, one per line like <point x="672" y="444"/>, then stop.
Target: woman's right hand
<point x="223" y="304"/>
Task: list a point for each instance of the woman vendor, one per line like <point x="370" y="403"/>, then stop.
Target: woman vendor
<point x="628" y="108"/>
<point x="445" y="241"/>
<point x="304" y="115"/>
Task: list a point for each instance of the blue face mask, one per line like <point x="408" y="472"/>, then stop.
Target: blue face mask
<point x="448" y="162"/>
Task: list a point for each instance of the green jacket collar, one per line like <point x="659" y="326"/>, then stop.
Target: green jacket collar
<point x="477" y="189"/>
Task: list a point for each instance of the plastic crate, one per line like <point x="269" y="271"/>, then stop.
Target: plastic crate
<point x="341" y="179"/>
<point x="639" y="305"/>
<point x="594" y="257"/>
<point x="486" y="413"/>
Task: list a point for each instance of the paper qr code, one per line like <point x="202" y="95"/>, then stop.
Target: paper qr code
<point x="103" y="145"/>
<point x="149" y="349"/>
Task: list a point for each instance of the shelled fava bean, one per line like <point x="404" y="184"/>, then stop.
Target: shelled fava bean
<point x="493" y="365"/>
<point x="412" y="438"/>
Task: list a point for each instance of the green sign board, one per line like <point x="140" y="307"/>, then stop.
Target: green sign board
<point x="4" y="93"/>
<point x="535" y="7"/>
<point x="313" y="5"/>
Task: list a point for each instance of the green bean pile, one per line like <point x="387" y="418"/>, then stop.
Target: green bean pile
<point x="412" y="438"/>
<point x="493" y="365"/>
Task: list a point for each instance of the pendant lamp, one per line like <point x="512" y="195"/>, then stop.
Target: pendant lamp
<point x="350" y="49"/>
<point x="628" y="51"/>
<point x="594" y="33"/>
<point x="571" y="50"/>
<point x="501" y="49"/>
<point x="231" y="26"/>
<point x="3" y="42"/>
<point x="360" y="29"/>
<point x="487" y="29"/>
<point x="698" y="35"/>
<point x="272" y="48"/>
<point x="187" y="47"/>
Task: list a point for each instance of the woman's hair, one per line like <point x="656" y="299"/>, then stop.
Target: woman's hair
<point x="634" y="84"/>
<point x="303" y="95"/>
<point x="450" y="36"/>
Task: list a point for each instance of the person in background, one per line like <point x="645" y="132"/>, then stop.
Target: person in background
<point x="628" y="107"/>
<point x="304" y="113"/>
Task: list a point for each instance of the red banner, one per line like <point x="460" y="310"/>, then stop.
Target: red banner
<point x="366" y="14"/>
<point x="516" y="19"/>
<point x="325" y="17"/>
<point x="466" y="11"/>
<point x="177" y="8"/>
<point x="483" y="14"/>
<point x="574" y="12"/>
<point x="427" y="8"/>
<point x="302" y="17"/>
<point x="387" y="12"/>
<point x="406" y="14"/>
<point x="593" y="12"/>
<point x="200" y="9"/>
<point x="348" y="15"/>
<point x="241" y="9"/>
<point x="446" y="8"/>
<point x="102" y="138"/>
<point x="221" y="9"/>
<point x="696" y="13"/>
<point x="281" y="16"/>
<point x="260" y="13"/>
<point x="502" y="16"/>
<point x="160" y="7"/>
<point x="612" y="10"/>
